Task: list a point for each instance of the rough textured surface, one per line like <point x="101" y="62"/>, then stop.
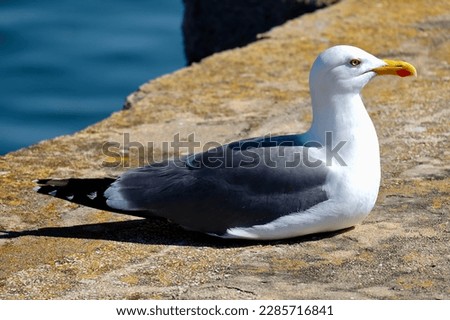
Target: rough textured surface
<point x="401" y="251"/>
<point x="211" y="26"/>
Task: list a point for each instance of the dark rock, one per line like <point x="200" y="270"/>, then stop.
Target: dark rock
<point x="211" y="26"/>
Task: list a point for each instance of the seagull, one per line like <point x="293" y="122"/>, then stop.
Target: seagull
<point x="266" y="188"/>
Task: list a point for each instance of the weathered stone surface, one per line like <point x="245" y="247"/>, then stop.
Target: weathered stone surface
<point x="211" y="26"/>
<point x="401" y="251"/>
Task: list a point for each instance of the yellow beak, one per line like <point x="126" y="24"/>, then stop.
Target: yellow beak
<point x="398" y="68"/>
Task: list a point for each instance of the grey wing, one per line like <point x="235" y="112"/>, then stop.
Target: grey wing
<point x="223" y="188"/>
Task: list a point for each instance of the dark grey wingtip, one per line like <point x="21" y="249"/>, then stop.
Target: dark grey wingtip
<point x="52" y="182"/>
<point x="89" y="192"/>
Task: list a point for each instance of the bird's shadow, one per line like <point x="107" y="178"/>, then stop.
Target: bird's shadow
<point x="152" y="231"/>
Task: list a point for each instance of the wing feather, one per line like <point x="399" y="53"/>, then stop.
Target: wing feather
<point x="226" y="187"/>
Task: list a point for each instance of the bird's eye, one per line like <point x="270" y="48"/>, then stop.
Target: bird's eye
<point x="355" y="62"/>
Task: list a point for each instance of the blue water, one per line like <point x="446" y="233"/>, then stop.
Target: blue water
<point x="67" y="64"/>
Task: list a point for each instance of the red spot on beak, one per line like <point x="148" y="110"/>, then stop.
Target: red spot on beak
<point x="403" y="73"/>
